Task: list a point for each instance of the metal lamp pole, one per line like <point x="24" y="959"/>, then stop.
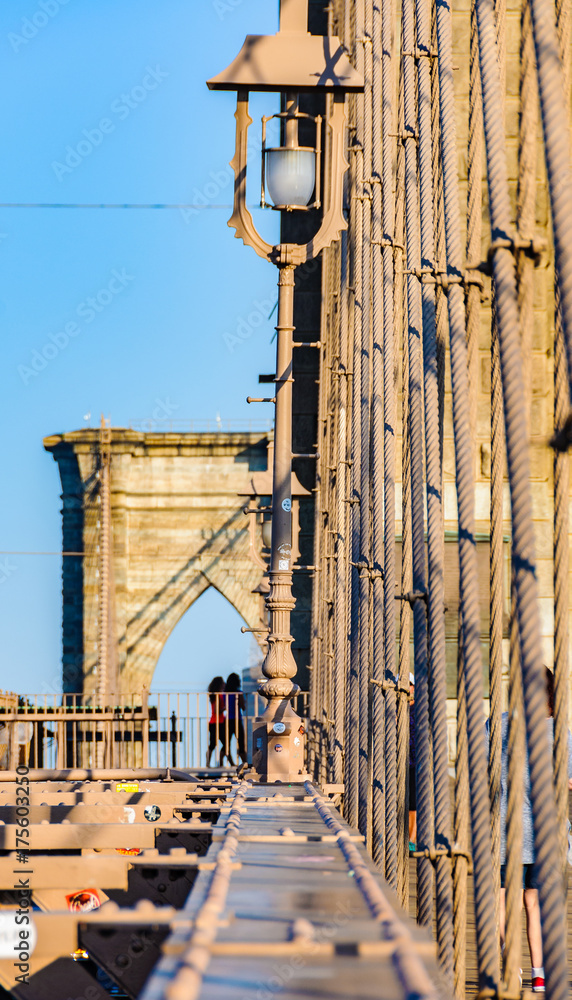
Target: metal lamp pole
<point x="289" y="63"/>
<point x="278" y="734"/>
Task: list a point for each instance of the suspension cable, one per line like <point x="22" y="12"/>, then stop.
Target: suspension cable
<point x="435" y="550"/>
<point x="554" y="106"/>
<point x="542" y="798"/>
<point x="356" y="209"/>
<point x="423" y="764"/>
<point x="468" y="582"/>
<point x="401" y="342"/>
<point x="363" y="159"/>
<point x="382" y="467"/>
<point x="561" y="520"/>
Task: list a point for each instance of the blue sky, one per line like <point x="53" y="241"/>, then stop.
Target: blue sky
<point x="105" y="102"/>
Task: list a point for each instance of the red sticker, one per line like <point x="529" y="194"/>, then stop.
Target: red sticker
<point x="84" y="901"/>
<point x="128" y="850"/>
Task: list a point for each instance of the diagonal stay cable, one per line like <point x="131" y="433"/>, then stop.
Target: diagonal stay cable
<point x="435" y="547"/>
<point x="415" y="398"/>
<point x="468" y="575"/>
<point x="555" y="123"/>
<point x="383" y="441"/>
<point x="523" y="558"/>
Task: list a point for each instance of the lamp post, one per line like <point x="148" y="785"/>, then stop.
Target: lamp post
<point x="290" y="63"/>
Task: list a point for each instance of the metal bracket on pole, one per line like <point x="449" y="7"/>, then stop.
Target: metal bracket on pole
<point x="386" y="685"/>
<point x="412" y="597"/>
<point x="562" y="438"/>
<point x="534" y="248"/>
<point x="374" y="572"/>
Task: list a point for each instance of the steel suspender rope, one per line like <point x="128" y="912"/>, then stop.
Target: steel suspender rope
<point x="474" y="214"/>
<point x="473" y="320"/>
<point x="321" y="502"/>
<point x="368" y="248"/>
<point x="394" y="724"/>
<point x="555" y="113"/>
<point x="352" y="740"/>
<point x="315" y="677"/>
<point x="461" y="831"/>
<point x="342" y="520"/>
<point x="332" y="416"/>
<point x="441" y="319"/>
<point x="324" y="446"/>
<point x="326" y="419"/>
<point x="496" y="535"/>
<point x="561" y="519"/>
<point x="540" y="764"/>
<point x="346" y="320"/>
<point x="316" y="641"/>
<point x="496" y="605"/>
<point x="515" y="777"/>
<point x="435" y="548"/>
<point x="332" y="411"/>
<point x="439" y="255"/>
<point x="526" y="197"/>
<point x="363" y="160"/>
<point x="468" y="586"/>
<point x="339" y="460"/>
<point x="423" y="760"/>
<point x="561" y="593"/>
<point x="406" y="581"/>
<point x="336" y="415"/>
<point x="554" y="89"/>
<point x="382" y="471"/>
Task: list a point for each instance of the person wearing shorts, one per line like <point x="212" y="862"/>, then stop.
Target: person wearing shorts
<point x="412" y="779"/>
<point x="529" y="875"/>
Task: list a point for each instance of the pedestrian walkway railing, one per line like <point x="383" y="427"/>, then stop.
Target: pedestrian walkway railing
<point x="155" y="729"/>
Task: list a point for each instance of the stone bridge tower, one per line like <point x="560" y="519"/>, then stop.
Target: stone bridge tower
<point x="177" y="528"/>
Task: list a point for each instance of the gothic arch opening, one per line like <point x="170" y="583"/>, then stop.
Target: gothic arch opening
<point x="206" y="641"/>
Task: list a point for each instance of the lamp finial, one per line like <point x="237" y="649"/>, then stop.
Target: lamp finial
<point x="294" y="15"/>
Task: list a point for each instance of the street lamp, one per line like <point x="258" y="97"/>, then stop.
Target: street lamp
<point x="290" y="63"/>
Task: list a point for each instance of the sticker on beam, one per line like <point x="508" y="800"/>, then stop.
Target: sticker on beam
<point x="152" y="813"/>
<point x="84" y="901"/>
<point x="127" y="786"/>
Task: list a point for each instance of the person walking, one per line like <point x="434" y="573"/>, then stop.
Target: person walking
<point x="529" y="876"/>
<point x="412" y="779"/>
<point x="235" y="708"/>
<point x="217" y="718"/>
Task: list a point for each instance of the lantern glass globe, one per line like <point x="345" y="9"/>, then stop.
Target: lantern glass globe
<point x="267" y="534"/>
<point x="291" y="176"/>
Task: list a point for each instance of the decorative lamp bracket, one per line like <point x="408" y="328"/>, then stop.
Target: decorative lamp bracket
<point x="333" y="222"/>
<point x="241" y="219"/>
